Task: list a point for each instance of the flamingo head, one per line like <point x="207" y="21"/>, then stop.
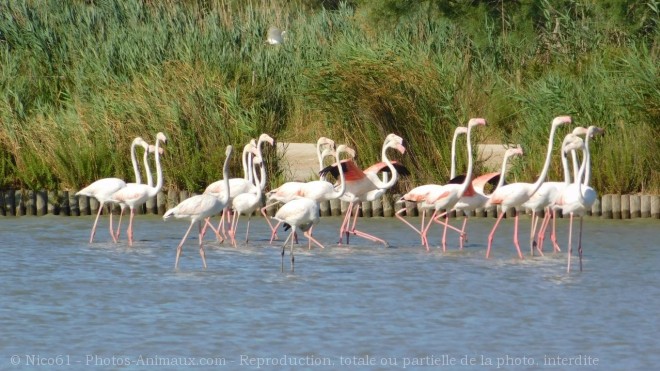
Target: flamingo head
<point x="595" y="130"/>
<point x="257" y="159"/>
<point x="561" y="120"/>
<point x="346" y="149"/>
<point x="140" y="142"/>
<point x="161" y="137"/>
<point x="325" y="141"/>
<point x="229" y="150"/>
<point x="580" y="130"/>
<point x="266" y="138"/>
<point x="518" y="151"/>
<point x="572" y="142"/>
<point x="476" y="121"/>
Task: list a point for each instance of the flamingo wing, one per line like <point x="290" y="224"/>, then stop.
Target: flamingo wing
<point x="381" y="166"/>
<point x="480" y="182"/>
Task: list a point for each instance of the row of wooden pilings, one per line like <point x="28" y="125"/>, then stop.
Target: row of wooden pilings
<point x="41" y="202"/>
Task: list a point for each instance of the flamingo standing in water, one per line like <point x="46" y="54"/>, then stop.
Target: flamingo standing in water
<point x="423" y="188"/>
<point x="135" y="195"/>
<point x="475" y="198"/>
<point x="290" y="190"/>
<point x="446" y="196"/>
<point x="516" y="194"/>
<point x="201" y="207"/>
<point x="300" y="214"/>
<point x="366" y="185"/>
<point x="247" y="203"/>
<point x="103" y="189"/>
<point x="237" y="186"/>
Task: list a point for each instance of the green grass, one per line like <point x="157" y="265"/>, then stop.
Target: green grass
<point x="79" y="80"/>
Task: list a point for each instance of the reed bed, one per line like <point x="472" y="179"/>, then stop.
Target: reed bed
<point x="80" y="79"/>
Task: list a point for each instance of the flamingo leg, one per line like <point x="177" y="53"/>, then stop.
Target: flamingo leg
<point x="91" y="237"/>
<point x="247" y="230"/>
<point x="365" y="235"/>
<point x="463" y="239"/>
<point x="284" y="248"/>
<point x="311" y="239"/>
<point x="180" y="247"/>
<point x="344" y="224"/>
<point x="273" y="230"/>
<point x="515" y="236"/>
<point x="553" y="235"/>
<point x="112" y="232"/>
<point x="580" y="243"/>
<point x="492" y="234"/>
<point x="121" y="215"/>
<point x="570" y="247"/>
<point x="532" y="232"/>
<point x="129" y="232"/>
<point x="201" y="244"/>
<point x="544" y="226"/>
<point x="425" y="230"/>
<point x="401" y="218"/>
<point x="444" y="233"/>
<point x="292" y="258"/>
<point x="232" y="228"/>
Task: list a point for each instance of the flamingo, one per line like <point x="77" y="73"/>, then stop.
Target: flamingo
<point x="475" y="199"/>
<point x="576" y="198"/>
<point x="550" y="211"/>
<point x="515" y="194"/>
<point x="543" y="199"/>
<point x="288" y="191"/>
<point x="301" y="213"/>
<point x="200" y="207"/>
<point x="236" y="186"/>
<point x="446" y="196"/>
<point x="422" y="189"/>
<point x="247" y="203"/>
<point x="103" y="189"/>
<point x="275" y="36"/>
<point x="322" y="190"/>
<point x="366" y="185"/>
<point x="134" y="195"/>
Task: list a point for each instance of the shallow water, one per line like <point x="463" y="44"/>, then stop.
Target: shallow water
<point x="69" y="303"/>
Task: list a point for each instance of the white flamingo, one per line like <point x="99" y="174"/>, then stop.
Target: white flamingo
<point x="201" y="207"/>
<point x="247" y="203"/>
<point x="516" y="194"/>
<point x="135" y="195"/>
<point x="103" y="189"/>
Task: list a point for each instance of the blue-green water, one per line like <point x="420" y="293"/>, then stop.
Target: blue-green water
<point x="66" y="302"/>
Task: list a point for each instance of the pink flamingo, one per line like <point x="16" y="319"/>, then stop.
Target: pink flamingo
<point x="423" y="189"/>
<point x="366" y="185"/>
<point x="475" y="198"/>
<point x="445" y="197"/>
<point x="103" y="189"/>
<point x="515" y="194"/>
<point x="290" y="190"/>
<point x="201" y="207"/>
<point x="134" y="195"/>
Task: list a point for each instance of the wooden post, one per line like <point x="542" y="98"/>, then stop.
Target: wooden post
<point x="10" y="202"/>
<point x="83" y="205"/>
<point x="377" y="207"/>
<point x="596" y="208"/>
<point x="324" y="207"/>
<point x="388" y="206"/>
<point x="20" y="202"/>
<point x="161" y="203"/>
<point x="65" y="208"/>
<point x="172" y="198"/>
<point x="53" y="207"/>
<point x="625" y="207"/>
<point x="616" y="206"/>
<point x="606" y="204"/>
<point x="655" y="207"/>
<point x="411" y="208"/>
<point x="41" y="202"/>
<point x="335" y="207"/>
<point x="646" y="206"/>
<point x="3" y="211"/>
<point x="366" y="209"/>
<point x="635" y="206"/>
<point x="74" y="207"/>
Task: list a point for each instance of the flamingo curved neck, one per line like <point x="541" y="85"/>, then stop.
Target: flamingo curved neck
<point x="587" y="159"/>
<point x="564" y="164"/>
<point x="468" y="174"/>
<point x="379" y="183"/>
<point x="247" y="169"/>
<point x="342" y="180"/>
<point x="546" y="165"/>
<point x="147" y="168"/>
<point x="159" y="172"/>
<point x="578" y="180"/>
<point x="502" y="171"/>
<point x="136" y="167"/>
<point x="259" y="180"/>
<point x="452" y="173"/>
<point x="224" y="198"/>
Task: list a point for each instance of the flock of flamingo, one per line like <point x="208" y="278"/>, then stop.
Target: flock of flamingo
<point x="299" y="212"/>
